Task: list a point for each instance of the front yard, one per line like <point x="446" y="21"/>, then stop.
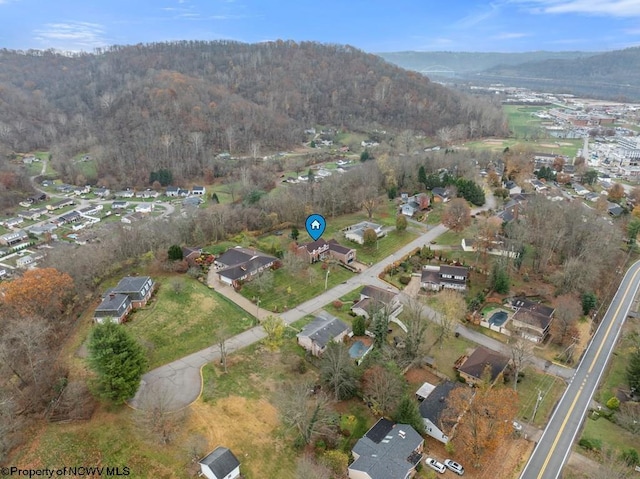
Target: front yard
<point x="182" y="318"/>
<point x="288" y="291"/>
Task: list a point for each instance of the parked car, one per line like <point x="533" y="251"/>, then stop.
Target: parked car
<point x="435" y="465"/>
<point x="454" y="466"/>
<point x="517" y="426"/>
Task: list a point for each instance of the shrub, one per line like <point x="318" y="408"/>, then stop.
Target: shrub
<point x="630" y="457"/>
<point x="337" y="304"/>
<point x="405" y="280"/>
<point x="613" y="403"/>
<point x="590" y="444"/>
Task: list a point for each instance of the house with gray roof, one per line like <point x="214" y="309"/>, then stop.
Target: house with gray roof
<point x="387" y="451"/>
<point x="356" y="232"/>
<point x="138" y="288"/>
<point x="114" y="307"/>
<point x="241" y="264"/>
<point x="13" y="238"/>
<point x="432" y="409"/>
<point x="374" y="300"/>
<point x="220" y="464"/>
<point x="325" y="328"/>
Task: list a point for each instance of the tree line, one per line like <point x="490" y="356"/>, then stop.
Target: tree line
<point x="174" y="106"/>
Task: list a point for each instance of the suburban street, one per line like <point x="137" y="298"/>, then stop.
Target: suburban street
<point x="552" y="450"/>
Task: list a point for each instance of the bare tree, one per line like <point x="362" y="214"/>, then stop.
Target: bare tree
<point x="307" y="413"/>
<point x="457" y="215"/>
<point x="264" y="281"/>
<point x="417" y="323"/>
<point x="155" y="415"/>
<point x="521" y="355"/>
<point x="308" y="468"/>
<point x="338" y="370"/>
<point x="567" y="312"/>
<point x="383" y="388"/>
<point x="452" y="308"/>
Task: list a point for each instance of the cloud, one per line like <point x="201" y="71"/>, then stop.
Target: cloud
<point x="72" y="36"/>
<point x="510" y="35"/>
<point x="478" y="17"/>
<point x="613" y="8"/>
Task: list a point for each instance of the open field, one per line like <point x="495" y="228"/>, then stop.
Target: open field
<point x="182" y="318"/>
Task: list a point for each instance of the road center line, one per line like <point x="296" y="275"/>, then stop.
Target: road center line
<point x="593" y="362"/>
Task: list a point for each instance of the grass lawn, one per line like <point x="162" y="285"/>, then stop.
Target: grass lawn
<point x="434" y="216"/>
<point x="615" y="375"/>
<point x="384" y="247"/>
<point x="448" y="352"/>
<point x="520" y="120"/>
<point x="289" y="291"/>
<point x="99" y="442"/>
<point x="533" y="382"/>
<point x="451" y="238"/>
<point x="611" y="435"/>
<point x="183" y="319"/>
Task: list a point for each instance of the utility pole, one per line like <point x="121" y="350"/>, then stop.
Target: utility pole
<point x="535" y="409"/>
<point x="326" y="277"/>
<point x="258" y="310"/>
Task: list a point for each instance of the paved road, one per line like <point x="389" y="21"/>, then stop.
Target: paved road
<point x="180" y="383"/>
<point x="551" y="452"/>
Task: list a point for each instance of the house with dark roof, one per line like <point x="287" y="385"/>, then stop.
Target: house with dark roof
<point x="614" y="209"/>
<point x="172" y="191"/>
<point x="325" y="328"/>
<point x="441" y="195"/>
<point x="242" y="264"/>
<point x="138" y="288"/>
<point x="198" y="191"/>
<point x="481" y="362"/>
<point x="387" y="451"/>
<point x="437" y="423"/>
<point x="220" y="464"/>
<point x="374" y="300"/>
<point x="415" y="204"/>
<point x="131" y="292"/>
<point x="435" y="278"/>
<point x="114" y="307"/>
<point x="531" y="320"/>
<point x="344" y="254"/>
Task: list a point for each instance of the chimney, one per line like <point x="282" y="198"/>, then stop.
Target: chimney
<point x="112" y="295"/>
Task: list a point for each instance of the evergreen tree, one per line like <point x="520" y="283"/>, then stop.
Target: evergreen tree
<point x="422" y="176"/>
<point x="359" y="326"/>
<point x="408" y="413"/>
<point x="294" y="233"/>
<point x="633" y="371"/>
<point x="118" y="360"/>
<point x="589" y="301"/>
<point x="499" y="279"/>
<point x="174" y="253"/>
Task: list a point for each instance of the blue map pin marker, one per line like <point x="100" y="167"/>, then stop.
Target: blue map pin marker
<point x="315" y="226"/>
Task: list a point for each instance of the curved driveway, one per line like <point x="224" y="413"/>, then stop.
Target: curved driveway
<point x="552" y="450"/>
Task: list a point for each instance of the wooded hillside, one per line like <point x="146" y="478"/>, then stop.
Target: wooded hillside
<point x="175" y="105"/>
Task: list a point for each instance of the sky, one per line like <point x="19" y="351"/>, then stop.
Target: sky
<point x="371" y="25"/>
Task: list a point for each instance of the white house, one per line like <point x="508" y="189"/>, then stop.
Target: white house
<point x="432" y="409"/>
<point x="220" y="464"/>
<point x="198" y="191"/>
<point x="356" y="232"/>
<point x="144" y="208"/>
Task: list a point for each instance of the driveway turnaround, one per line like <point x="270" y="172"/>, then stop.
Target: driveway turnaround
<point x="552" y="450"/>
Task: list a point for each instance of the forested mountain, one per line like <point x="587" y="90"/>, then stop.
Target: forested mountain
<point x="607" y="74"/>
<point x="471" y="62"/>
<point x="175" y="105"/>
